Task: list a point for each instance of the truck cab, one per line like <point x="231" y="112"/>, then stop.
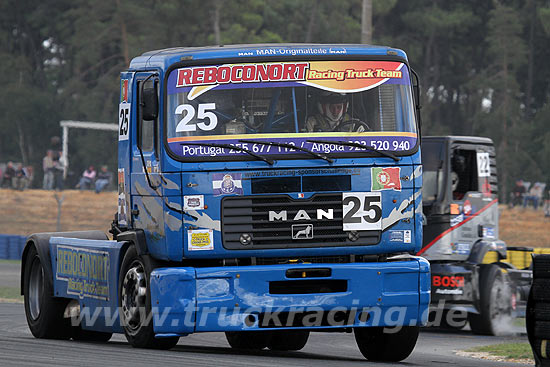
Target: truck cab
<point x="255" y="178"/>
<point x="460" y="205"/>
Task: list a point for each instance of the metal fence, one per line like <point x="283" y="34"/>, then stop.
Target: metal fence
<point x="11" y="246"/>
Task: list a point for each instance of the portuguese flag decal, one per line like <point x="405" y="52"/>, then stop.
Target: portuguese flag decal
<point x="386" y="178"/>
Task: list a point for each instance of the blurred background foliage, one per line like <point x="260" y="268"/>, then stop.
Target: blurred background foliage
<point x="483" y="64"/>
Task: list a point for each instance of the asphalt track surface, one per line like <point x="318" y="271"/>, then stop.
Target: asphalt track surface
<point x="10" y="273"/>
<point x="19" y="348"/>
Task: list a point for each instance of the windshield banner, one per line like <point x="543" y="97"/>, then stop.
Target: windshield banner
<point x="198" y="146"/>
<point x="334" y="76"/>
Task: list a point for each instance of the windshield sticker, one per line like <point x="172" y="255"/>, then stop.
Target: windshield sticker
<point x="334" y="76"/>
<point x="395" y="142"/>
<point x="227" y="184"/>
<point x="294" y="51"/>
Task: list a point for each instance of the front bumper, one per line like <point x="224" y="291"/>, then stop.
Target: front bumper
<point x="188" y="300"/>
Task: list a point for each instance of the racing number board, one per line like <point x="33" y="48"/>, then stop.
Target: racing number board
<point x="362" y="211"/>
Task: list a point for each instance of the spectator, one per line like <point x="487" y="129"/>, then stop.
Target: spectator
<point x="29" y="173"/>
<point x="9" y="174"/>
<point x="103" y="179"/>
<point x="19" y="181"/>
<point x="517" y="193"/>
<point x="58" y="167"/>
<point x="547" y="203"/>
<point x="48" y="167"/>
<point x="533" y="196"/>
<point x="87" y="179"/>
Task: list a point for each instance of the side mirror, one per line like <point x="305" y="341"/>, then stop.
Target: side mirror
<point x="149" y="102"/>
<point x="416" y="89"/>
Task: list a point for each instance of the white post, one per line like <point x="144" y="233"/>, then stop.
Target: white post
<point x="65" y="153"/>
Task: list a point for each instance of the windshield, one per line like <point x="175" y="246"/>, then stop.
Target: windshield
<point x="367" y="102"/>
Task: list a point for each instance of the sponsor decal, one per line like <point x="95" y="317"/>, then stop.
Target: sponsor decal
<point x="200" y="239"/>
<point x="122" y="202"/>
<point x="467" y="208"/>
<point x="227" y="184"/>
<point x="86" y="271"/>
<point x="407" y="236"/>
<point x="448" y="281"/>
<point x="401" y="236"/>
<point x="336" y="76"/>
<point x="488" y="232"/>
<point x="486" y="188"/>
<point x="386" y="178"/>
<point x="456" y="291"/>
<point x="242" y="73"/>
<point x="123" y="90"/>
<point x="396" y="236"/>
<point x="460" y="248"/>
<point x="193" y="202"/>
<point x="459" y="218"/>
<point x="455" y="209"/>
<point x="302" y="231"/>
<point x="391" y="141"/>
<point x="293" y="51"/>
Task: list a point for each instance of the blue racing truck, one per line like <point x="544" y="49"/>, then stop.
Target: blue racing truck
<point x="264" y="191"/>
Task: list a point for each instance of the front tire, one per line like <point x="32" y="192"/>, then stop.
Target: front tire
<point x="377" y="345"/>
<point x="495" y="302"/>
<point x="44" y="312"/>
<point x="135" y="303"/>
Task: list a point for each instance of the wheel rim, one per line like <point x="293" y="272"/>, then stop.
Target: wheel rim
<point x="500" y="305"/>
<point x="133" y="297"/>
<point x="36" y="281"/>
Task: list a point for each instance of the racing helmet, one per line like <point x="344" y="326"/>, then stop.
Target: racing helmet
<point x="333" y="105"/>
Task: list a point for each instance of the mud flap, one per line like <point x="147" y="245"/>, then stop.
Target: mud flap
<point x="538" y="311"/>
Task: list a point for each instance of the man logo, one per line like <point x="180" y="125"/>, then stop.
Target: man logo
<point x="300" y="215"/>
<point x="302" y="231"/>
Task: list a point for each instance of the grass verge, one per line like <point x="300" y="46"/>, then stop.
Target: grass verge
<point x="10" y="262"/>
<point x="9" y="294"/>
<point x="513" y="351"/>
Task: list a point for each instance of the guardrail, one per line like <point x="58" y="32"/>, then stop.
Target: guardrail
<point x="11" y="246"/>
<point x="520" y="259"/>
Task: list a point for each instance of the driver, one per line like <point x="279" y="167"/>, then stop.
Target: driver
<point x="331" y="113"/>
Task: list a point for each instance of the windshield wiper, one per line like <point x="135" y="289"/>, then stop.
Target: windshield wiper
<point x="286" y="145"/>
<point x="358" y="145"/>
<point x="229" y="146"/>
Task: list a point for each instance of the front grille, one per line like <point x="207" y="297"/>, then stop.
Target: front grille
<point x="249" y="216"/>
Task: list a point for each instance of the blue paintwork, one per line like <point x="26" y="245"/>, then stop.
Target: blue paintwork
<point x="220" y="299"/>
